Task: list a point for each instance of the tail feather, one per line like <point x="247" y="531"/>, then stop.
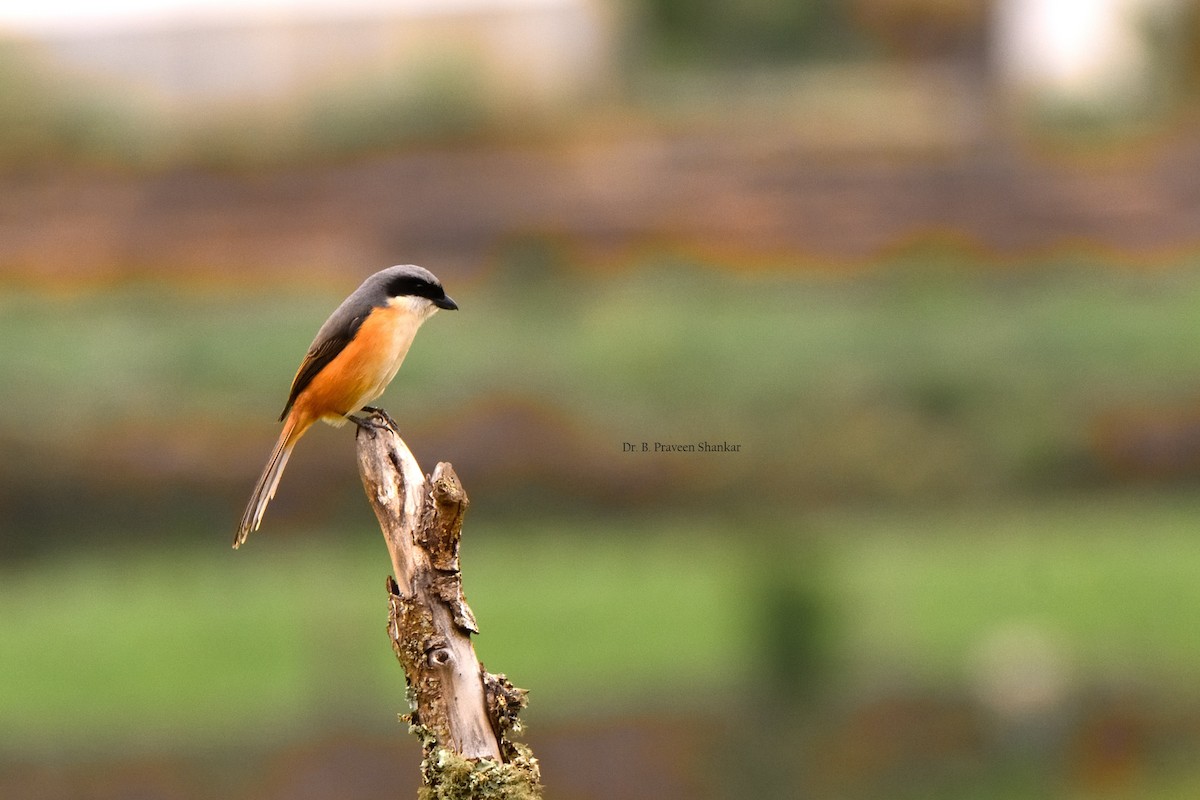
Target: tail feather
<point x="269" y="481"/>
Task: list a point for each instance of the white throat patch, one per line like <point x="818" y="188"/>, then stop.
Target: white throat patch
<point x="420" y="307"/>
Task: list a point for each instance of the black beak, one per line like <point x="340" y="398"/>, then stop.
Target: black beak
<point x="445" y="302"/>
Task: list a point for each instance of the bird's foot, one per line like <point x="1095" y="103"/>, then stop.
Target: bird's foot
<point x="385" y="417"/>
<point x="377" y="420"/>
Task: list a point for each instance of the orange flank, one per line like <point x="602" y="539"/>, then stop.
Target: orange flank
<point x="360" y="372"/>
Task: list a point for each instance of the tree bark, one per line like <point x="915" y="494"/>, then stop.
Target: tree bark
<point x="462" y="713"/>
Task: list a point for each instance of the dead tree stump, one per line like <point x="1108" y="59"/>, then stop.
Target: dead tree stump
<point x="462" y="713"/>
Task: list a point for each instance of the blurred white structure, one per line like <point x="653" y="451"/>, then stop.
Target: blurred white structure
<point x="1090" y="52"/>
<point x="534" y="51"/>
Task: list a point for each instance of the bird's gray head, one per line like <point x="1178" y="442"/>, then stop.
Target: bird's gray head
<point x="414" y="286"/>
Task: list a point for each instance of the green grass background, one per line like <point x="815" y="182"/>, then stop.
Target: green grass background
<point x="180" y="646"/>
<point x="929" y="378"/>
<point x="917" y="464"/>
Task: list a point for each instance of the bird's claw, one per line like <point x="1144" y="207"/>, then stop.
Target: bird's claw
<point x="378" y="420"/>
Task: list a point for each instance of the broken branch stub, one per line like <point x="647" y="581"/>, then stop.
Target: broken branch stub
<point x="459" y="706"/>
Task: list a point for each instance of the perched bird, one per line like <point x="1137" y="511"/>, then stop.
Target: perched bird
<point x="351" y="361"/>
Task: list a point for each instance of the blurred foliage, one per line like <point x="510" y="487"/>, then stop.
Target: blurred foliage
<point x="723" y="33"/>
<point x="46" y="118"/>
<point x="1173" y="34"/>
<point x="191" y="648"/>
<point x="1187" y="53"/>
<point x="62" y="118"/>
<point x="750" y="31"/>
<point x="54" y="116"/>
<point x="443" y="98"/>
<point x="187" y="641"/>
<point x="915" y="29"/>
<point x="440" y="101"/>
<point x="794" y="618"/>
<point x="922" y="383"/>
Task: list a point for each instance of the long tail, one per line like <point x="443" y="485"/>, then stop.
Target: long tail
<point x="265" y="490"/>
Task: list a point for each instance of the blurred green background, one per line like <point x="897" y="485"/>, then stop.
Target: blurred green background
<point x="928" y="264"/>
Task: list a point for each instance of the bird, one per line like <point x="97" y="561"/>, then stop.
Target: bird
<point x="353" y="358"/>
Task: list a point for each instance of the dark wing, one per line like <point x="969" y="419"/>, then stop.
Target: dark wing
<point x="322" y="351"/>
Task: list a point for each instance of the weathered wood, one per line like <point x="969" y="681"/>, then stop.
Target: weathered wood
<point x="462" y="713"/>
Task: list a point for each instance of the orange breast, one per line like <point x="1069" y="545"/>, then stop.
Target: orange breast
<point x="363" y="369"/>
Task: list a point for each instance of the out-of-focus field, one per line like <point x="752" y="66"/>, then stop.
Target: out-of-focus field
<point x="179" y="647"/>
<point x="949" y="475"/>
<point x="928" y="380"/>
